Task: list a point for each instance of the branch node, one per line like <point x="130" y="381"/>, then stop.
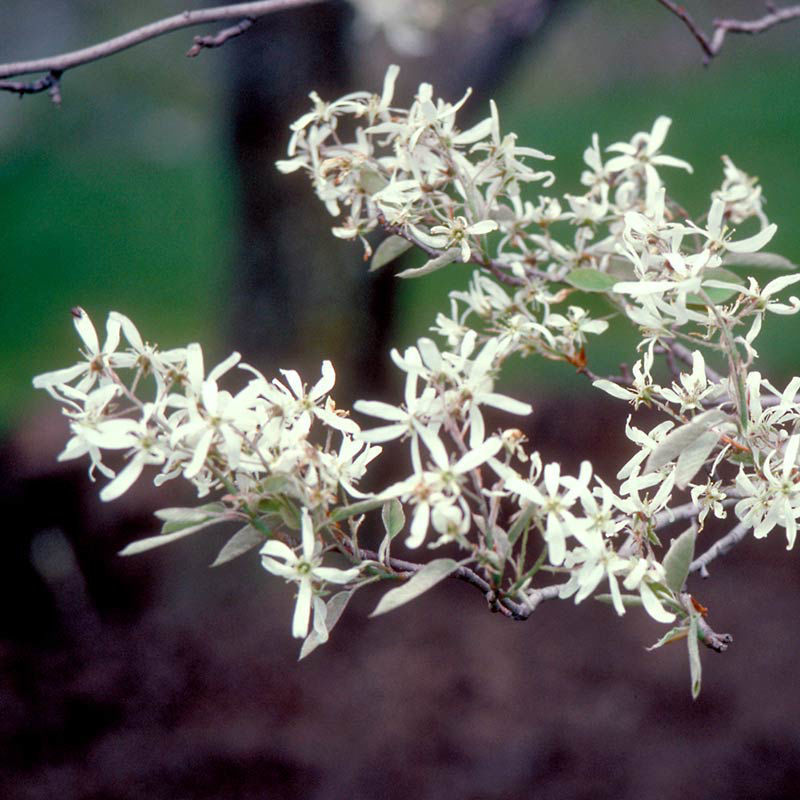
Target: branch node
<point x="207" y="42"/>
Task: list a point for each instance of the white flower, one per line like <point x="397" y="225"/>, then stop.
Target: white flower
<point x="555" y="504"/>
<point x="718" y="234"/>
<point x="94" y="367"/>
<point x="305" y="570"/>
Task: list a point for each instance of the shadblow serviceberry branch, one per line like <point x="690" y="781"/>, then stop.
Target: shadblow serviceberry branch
<point x="711" y="45"/>
<point x="55" y="66"/>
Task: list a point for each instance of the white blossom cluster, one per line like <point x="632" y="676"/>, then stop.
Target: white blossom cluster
<point x="290" y="463"/>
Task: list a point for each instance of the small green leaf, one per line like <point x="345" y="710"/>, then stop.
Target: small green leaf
<point x="693" y="457"/>
<point x="426" y="578"/>
<point x="241" y="542"/>
<point x="343" y="512"/>
<point x="695" y="668"/>
<point x="768" y="260"/>
<point x="440" y="261"/>
<point x="627" y="599"/>
<point x="157" y="541"/>
<point x="590" y="280"/>
<point x="372" y="181"/>
<point x="681" y="438"/>
<point x="716" y="294"/>
<point x="520" y="524"/>
<point x="678" y="559"/>
<point x="671" y="635"/>
<point x="393" y="517"/>
<point x="176" y="519"/>
<point x="335" y="606"/>
<point x="388" y="250"/>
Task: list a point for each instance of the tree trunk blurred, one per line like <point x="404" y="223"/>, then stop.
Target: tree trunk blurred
<point x="299" y="295"/>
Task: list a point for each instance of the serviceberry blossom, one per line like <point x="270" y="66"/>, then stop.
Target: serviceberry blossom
<point x="281" y="459"/>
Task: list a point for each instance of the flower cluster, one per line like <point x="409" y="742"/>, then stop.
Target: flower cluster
<point x="289" y="464"/>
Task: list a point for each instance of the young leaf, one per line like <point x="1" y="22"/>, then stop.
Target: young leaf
<point x="695" y="668"/>
<point x="590" y="280"/>
<point x="627" y="599"/>
<point x="717" y="294"/>
<point x="768" y="260"/>
<point x="393" y="517"/>
<point x="243" y="540"/>
<point x="343" y="512"/>
<point x="693" y="457"/>
<point x="682" y="438"/>
<point x="336" y="605"/>
<point x="388" y="250"/>
<point x="672" y="635"/>
<point x="678" y="558"/>
<point x="426" y="578"/>
<point x="176" y="519"/>
<point x="521" y="521"/>
<point x="448" y="257"/>
<point x="156" y="541"/>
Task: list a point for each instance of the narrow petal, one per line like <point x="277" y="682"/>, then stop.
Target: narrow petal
<point x="302" y="610"/>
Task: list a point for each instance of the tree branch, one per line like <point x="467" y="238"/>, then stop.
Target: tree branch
<point x="202" y="42"/>
<point x="719" y="548"/>
<point x="722" y="26"/>
<point x="56" y="65"/>
<point x="497" y="603"/>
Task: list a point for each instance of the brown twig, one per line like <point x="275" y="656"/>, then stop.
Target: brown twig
<point x="49" y="83"/>
<point x="56" y="65"/>
<point x="203" y="42"/>
<point x="723" y="26"/>
<point x="496" y="602"/>
<point x="718" y="642"/>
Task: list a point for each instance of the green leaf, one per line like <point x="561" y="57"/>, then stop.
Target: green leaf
<point x="768" y="260"/>
<point x="590" y="280"/>
<point x="176" y="519"/>
<point x="275" y="484"/>
<point x="627" y="599"/>
<point x="388" y="250"/>
<point x="694" y="456"/>
<point x="422" y="580"/>
<point x="335" y="606"/>
<point x="695" y="668"/>
<point x="671" y="635"/>
<point x="241" y="542"/>
<point x="520" y="524"/>
<point x="371" y="181"/>
<point x="716" y="294"/>
<point x="678" y="558"/>
<point x="157" y="541"/>
<point x="393" y="517"/>
<point x="682" y="438"/>
<point x="440" y="261"/>
<point x="343" y="512"/>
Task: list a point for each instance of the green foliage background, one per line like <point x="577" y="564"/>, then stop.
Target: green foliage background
<point x="125" y="200"/>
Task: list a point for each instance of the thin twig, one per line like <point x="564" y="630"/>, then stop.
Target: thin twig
<point x="719" y="548"/>
<point x="718" y="642"/>
<point x="497" y="603"/>
<point x="694" y="28"/>
<point x="723" y="25"/>
<point x="203" y="42"/>
<point x="65" y="61"/>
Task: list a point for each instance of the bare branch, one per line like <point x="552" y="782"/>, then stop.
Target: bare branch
<point x="694" y="29"/>
<point x="203" y="42"/>
<point x="49" y="83"/>
<point x="56" y="65"/>
<point x="722" y="26"/>
<point x="719" y="548"/>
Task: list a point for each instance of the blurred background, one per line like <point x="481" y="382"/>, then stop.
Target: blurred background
<point x="152" y="191"/>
